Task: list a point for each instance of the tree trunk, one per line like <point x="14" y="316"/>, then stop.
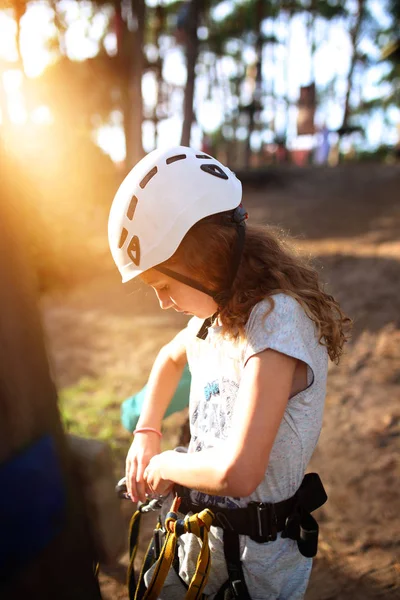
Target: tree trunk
<point x="19" y="9"/>
<point x="354" y="34"/>
<point x="132" y="53"/>
<point x="255" y="105"/>
<point x="192" y="50"/>
<point x="45" y="553"/>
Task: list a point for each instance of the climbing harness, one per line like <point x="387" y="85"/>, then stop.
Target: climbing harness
<point x="260" y="521"/>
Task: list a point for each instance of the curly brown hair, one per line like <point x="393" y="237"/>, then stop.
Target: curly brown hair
<point x="268" y="266"/>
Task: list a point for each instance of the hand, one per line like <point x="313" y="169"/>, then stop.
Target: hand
<point x="143" y="448"/>
<point x="153" y="475"/>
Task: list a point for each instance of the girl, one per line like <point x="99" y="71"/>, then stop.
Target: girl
<point x="258" y="343"/>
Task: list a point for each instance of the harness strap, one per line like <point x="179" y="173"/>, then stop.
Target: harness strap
<point x="260" y="521"/>
<point x="237" y="583"/>
<point x="148" y="562"/>
<point x="199" y="525"/>
<point x="137" y="589"/>
<point x="224" y="592"/>
<point x="134" y="528"/>
<point x="163" y="565"/>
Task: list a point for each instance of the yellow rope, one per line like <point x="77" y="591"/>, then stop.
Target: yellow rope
<point x="198" y="524"/>
<point x="200" y="577"/>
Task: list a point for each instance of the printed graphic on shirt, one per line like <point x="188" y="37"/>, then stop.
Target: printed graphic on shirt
<point x="210" y="422"/>
<point x="211" y="418"/>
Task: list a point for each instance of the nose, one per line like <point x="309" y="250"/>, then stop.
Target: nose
<point x="164" y="299"/>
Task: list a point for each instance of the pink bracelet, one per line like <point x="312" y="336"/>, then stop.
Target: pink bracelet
<point x="147" y="429"/>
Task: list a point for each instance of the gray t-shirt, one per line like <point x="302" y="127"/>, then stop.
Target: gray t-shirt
<point x="275" y="569"/>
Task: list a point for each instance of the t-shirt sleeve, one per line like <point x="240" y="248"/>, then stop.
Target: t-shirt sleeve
<point x="286" y="329"/>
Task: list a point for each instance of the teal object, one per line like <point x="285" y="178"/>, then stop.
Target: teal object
<point x="132" y="406"/>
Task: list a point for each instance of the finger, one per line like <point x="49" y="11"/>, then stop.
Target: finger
<point x="127" y="476"/>
<point x="131" y="480"/>
<point x="148" y="489"/>
<point x="140" y="483"/>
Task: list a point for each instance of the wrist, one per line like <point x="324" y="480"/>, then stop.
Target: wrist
<point x="168" y="465"/>
<point x="147" y="430"/>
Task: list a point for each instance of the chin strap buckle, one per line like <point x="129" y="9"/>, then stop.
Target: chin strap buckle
<point x="240" y="215"/>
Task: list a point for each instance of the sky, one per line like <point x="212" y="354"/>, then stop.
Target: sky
<point x="332" y="58"/>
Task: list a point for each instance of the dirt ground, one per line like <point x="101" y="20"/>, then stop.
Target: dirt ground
<point x="349" y="219"/>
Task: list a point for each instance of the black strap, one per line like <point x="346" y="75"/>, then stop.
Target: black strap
<point x="224" y="592"/>
<point x="138" y="592"/>
<point x="203" y="331"/>
<point x="239" y="215"/>
<point x="237" y="583"/>
<point x="237" y="256"/>
<point x="259" y="520"/>
<point x="183" y="279"/>
<point x="262" y="521"/>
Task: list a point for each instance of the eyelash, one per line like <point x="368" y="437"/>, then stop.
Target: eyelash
<point x="164" y="288"/>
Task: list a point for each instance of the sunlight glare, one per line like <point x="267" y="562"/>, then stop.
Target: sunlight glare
<point x="8" y="48"/>
<point x="12" y="81"/>
<point x="42" y="115"/>
<point x="111" y="140"/>
<point x="37" y="29"/>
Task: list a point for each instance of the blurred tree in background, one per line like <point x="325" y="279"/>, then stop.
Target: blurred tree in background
<point x="125" y="75"/>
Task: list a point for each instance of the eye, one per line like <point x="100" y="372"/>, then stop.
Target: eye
<point x="164" y="288"/>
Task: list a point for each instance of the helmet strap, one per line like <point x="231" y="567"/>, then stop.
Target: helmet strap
<point x="237" y="254"/>
<point x="239" y="217"/>
<point x="186" y="280"/>
<point x="203" y="331"/>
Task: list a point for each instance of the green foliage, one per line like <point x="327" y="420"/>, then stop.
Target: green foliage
<point x="92" y="409"/>
<point x="383" y="154"/>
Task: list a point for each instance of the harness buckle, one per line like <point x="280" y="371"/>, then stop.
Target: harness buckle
<point x="151" y="504"/>
<point x="265" y="523"/>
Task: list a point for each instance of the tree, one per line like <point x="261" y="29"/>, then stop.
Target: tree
<point x="354" y="36"/>
<point x="133" y="102"/>
<point x="189" y="23"/>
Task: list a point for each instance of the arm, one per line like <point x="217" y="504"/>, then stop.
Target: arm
<point x="164" y="378"/>
<point x="237" y="466"/>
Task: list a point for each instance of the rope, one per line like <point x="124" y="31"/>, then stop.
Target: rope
<point x="199" y="525"/>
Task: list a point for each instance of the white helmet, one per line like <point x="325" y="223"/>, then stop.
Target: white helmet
<point x="164" y="195"/>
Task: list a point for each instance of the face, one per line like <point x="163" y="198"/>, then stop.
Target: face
<point x="182" y="298"/>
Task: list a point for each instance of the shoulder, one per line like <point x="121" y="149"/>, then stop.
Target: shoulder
<point x="278" y="310"/>
<point x="281" y="323"/>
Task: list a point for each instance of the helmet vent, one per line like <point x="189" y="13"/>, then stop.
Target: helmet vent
<point x="131" y="208"/>
<point x="202" y="156"/>
<point x="133" y="250"/>
<point x="172" y="159"/>
<point x="214" y="170"/>
<point x="147" y="177"/>
<point x="124" y="235"/>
